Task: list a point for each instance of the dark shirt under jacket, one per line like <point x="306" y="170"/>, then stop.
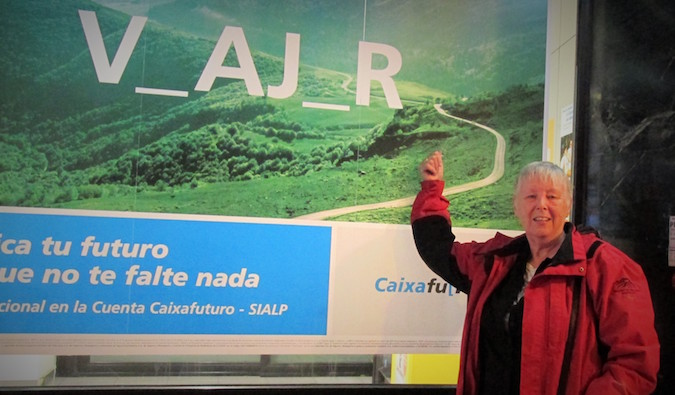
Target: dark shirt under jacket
<point x="500" y="334"/>
<point x="502" y="321"/>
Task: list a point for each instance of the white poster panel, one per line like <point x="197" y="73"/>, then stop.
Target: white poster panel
<point x="296" y="287"/>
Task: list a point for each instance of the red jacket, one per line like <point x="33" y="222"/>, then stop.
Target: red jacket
<point x="616" y="350"/>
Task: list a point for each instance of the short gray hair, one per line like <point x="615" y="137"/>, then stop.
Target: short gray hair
<point x="546" y="171"/>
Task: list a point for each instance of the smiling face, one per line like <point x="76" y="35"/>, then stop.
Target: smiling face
<point x="542" y="202"/>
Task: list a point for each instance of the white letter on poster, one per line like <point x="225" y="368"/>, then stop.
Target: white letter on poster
<point x="291" y="66"/>
<point x="107" y="72"/>
<point x="365" y="73"/>
<point x="214" y="67"/>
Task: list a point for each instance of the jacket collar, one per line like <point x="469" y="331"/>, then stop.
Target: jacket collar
<point x="504" y="246"/>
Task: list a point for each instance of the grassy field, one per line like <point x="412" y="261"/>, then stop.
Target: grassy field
<point x="262" y="157"/>
<point x="367" y="180"/>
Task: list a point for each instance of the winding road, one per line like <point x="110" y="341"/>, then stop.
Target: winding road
<point x="497" y="173"/>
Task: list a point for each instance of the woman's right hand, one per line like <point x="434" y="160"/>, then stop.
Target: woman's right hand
<point x="431" y="169"/>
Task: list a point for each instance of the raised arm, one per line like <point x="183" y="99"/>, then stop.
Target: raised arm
<point x="431" y="224"/>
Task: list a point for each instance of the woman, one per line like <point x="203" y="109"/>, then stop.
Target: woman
<point x="552" y="311"/>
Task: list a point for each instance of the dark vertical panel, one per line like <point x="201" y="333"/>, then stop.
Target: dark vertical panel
<point x="626" y="126"/>
<point x="583" y="75"/>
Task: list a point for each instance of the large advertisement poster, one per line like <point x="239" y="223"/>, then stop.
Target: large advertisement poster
<point x="232" y="176"/>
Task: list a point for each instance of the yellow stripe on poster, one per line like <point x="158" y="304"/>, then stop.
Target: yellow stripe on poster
<point x="550" y="140"/>
<point x="424" y="368"/>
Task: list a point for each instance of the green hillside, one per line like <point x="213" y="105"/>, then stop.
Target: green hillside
<point x="294" y="183"/>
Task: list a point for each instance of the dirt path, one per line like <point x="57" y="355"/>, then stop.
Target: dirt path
<point x="497" y="173"/>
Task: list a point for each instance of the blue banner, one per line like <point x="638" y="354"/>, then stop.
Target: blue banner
<point x="113" y="275"/>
